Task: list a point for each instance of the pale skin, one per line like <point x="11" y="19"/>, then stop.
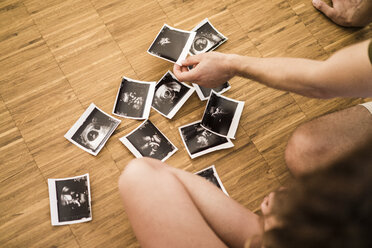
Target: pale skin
<point x="347" y="73"/>
<point x="169" y="207"/>
<point x="347" y="13"/>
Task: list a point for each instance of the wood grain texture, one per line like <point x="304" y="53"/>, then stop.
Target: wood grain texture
<point x="57" y="57"/>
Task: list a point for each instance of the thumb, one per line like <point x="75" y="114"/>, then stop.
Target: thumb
<point x="192" y="60"/>
<point x="323" y="7"/>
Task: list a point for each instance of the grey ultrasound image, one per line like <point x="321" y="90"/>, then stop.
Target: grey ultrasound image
<point x="207" y="91"/>
<point x="169" y="44"/>
<point x="150" y="142"/>
<point x="73" y="199"/>
<point x="131" y="99"/>
<point x="219" y="114"/>
<point x="95" y="130"/>
<point x="168" y="92"/>
<point x="199" y="139"/>
<point x="206" y="39"/>
<point x="209" y="175"/>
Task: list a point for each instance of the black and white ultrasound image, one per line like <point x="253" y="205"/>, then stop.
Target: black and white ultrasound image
<point x="73" y="199"/>
<point x="168" y="92"/>
<point x="169" y="44"/>
<point x="198" y="139"/>
<point x="150" y="142"/>
<point x="95" y="130"/>
<point x="131" y="100"/>
<point x="207" y="91"/>
<point x="219" y="114"/>
<point x="206" y="39"/>
<point x="209" y="175"/>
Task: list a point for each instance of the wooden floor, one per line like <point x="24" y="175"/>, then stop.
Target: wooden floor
<point x="57" y="57"/>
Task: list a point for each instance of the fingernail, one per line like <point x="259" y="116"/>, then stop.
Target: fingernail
<point x="316" y="3"/>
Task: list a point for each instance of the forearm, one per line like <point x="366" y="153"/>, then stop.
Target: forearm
<point x="347" y="73"/>
<point x="288" y="74"/>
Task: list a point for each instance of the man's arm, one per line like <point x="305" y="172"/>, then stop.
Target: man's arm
<point x="347" y="73"/>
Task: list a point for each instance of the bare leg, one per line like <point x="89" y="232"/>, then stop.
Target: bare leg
<point x="168" y="207"/>
<point x="322" y="141"/>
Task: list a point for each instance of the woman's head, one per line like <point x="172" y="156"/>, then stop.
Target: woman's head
<point x="327" y="208"/>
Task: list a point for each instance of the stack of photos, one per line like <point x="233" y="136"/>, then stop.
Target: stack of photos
<point x="92" y="130"/>
<point x="147" y="141"/>
<point x="199" y="141"/>
<point x="172" y="44"/>
<point x="70" y="200"/>
<point x="204" y="93"/>
<point x="222" y="115"/>
<point x="134" y="99"/>
<point x="211" y="175"/>
<point x="207" y="38"/>
<point x="170" y="95"/>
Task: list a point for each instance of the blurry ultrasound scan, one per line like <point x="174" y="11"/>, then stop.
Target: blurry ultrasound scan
<point x="211" y="175"/>
<point x="70" y="200"/>
<point x="207" y="38"/>
<point x="170" y="95"/>
<point x="148" y="141"/>
<point x="92" y="130"/>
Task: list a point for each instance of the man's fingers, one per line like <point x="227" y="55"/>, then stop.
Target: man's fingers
<point x="192" y="60"/>
<point x="184" y="75"/>
<point x="325" y="8"/>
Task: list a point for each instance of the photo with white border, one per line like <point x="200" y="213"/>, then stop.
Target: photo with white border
<point x="222" y="115"/>
<point x="204" y="93"/>
<point x="170" y="95"/>
<point x="210" y="174"/>
<point x="92" y="130"/>
<point x="134" y="99"/>
<point x="172" y="44"/>
<point x="70" y="200"/>
<point x="148" y="141"/>
<point x="207" y="38"/>
<point x="199" y="141"/>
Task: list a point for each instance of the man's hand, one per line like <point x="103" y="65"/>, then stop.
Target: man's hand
<point x="209" y="69"/>
<point x="348" y="13"/>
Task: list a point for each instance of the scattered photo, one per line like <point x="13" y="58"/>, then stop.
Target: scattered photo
<point x="199" y="141"/>
<point x="92" y="130"/>
<point x="222" y="115"/>
<point x="147" y="141"/>
<point x="134" y="99"/>
<point x="170" y="95"/>
<point x="172" y="44"/>
<point x="207" y="38"/>
<point x="211" y="175"/>
<point x="70" y="200"/>
<point x="204" y="93"/>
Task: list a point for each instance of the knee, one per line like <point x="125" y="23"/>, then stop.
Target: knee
<point x="302" y="150"/>
<point x="137" y="171"/>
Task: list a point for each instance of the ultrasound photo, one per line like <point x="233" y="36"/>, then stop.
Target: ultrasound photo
<point x="148" y="141"/>
<point x="172" y="44"/>
<point x="207" y="38"/>
<point x="211" y="175"/>
<point x="92" y="130"/>
<point x="199" y="141"/>
<point x="204" y="93"/>
<point x="134" y="99"/>
<point x="70" y="200"/>
<point x="170" y="95"/>
<point x="222" y="115"/>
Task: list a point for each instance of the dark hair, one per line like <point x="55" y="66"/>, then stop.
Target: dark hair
<point x="329" y="208"/>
